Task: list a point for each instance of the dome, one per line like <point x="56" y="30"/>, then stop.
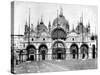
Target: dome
<point x="62" y="22"/>
<point x="61" y="19"/>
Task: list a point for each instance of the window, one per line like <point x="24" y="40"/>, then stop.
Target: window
<point x="73" y="39"/>
<point x="92" y="38"/>
<point x="32" y="39"/>
<point x="43" y="39"/>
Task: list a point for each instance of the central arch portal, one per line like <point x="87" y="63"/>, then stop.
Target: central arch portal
<point x="58" y="50"/>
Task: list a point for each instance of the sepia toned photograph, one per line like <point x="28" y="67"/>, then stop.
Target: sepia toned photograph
<point x="50" y="37"/>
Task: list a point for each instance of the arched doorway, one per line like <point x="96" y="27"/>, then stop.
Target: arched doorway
<point x="58" y="33"/>
<point x="58" y="50"/>
<point x="31" y="53"/>
<point x="84" y="51"/>
<point x="32" y="57"/>
<point x="43" y="49"/>
<point x="74" y="50"/>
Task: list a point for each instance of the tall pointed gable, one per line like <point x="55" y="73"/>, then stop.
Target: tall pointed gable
<point x="80" y="27"/>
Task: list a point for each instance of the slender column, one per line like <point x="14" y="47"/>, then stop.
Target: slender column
<point x="90" y="54"/>
<point x="50" y="54"/>
<point x="79" y="54"/>
<point x="37" y="55"/>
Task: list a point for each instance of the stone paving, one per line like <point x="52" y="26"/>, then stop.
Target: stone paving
<point x="55" y="65"/>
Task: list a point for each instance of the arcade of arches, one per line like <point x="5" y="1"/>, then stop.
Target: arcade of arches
<point x="31" y="52"/>
<point x="58" y="52"/>
<point x="59" y="49"/>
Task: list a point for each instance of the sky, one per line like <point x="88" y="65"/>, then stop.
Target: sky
<point x="48" y="11"/>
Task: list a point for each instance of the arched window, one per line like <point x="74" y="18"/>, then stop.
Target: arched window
<point x="43" y="39"/>
<point x="32" y="39"/>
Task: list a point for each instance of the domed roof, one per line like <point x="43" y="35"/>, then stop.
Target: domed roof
<point x="60" y="20"/>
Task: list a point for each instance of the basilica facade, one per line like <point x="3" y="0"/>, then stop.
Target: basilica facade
<point x="55" y="41"/>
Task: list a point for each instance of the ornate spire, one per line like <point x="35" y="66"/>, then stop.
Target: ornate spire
<point x="81" y="18"/>
<point x="26" y="22"/>
<point x="26" y="27"/>
<point x="73" y="28"/>
<point x="38" y="27"/>
<point x="49" y="27"/>
<point x="38" y="22"/>
<point x="41" y="22"/>
<point x="88" y="27"/>
<point x="29" y="29"/>
<point x="29" y="17"/>
<point x="32" y="28"/>
<point x="57" y="17"/>
<point x="88" y="24"/>
<point x="49" y="24"/>
<point x="61" y="11"/>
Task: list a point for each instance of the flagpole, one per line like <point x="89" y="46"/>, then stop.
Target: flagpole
<point x="29" y="29"/>
<point x="57" y="28"/>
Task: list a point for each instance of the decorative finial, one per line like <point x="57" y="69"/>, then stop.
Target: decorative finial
<point x="61" y="11"/>
<point x="26" y="22"/>
<point x="42" y="18"/>
<point x="57" y="13"/>
<point x="38" y="22"/>
<point x="81" y="18"/>
<point x="88" y="23"/>
<point x="73" y="28"/>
